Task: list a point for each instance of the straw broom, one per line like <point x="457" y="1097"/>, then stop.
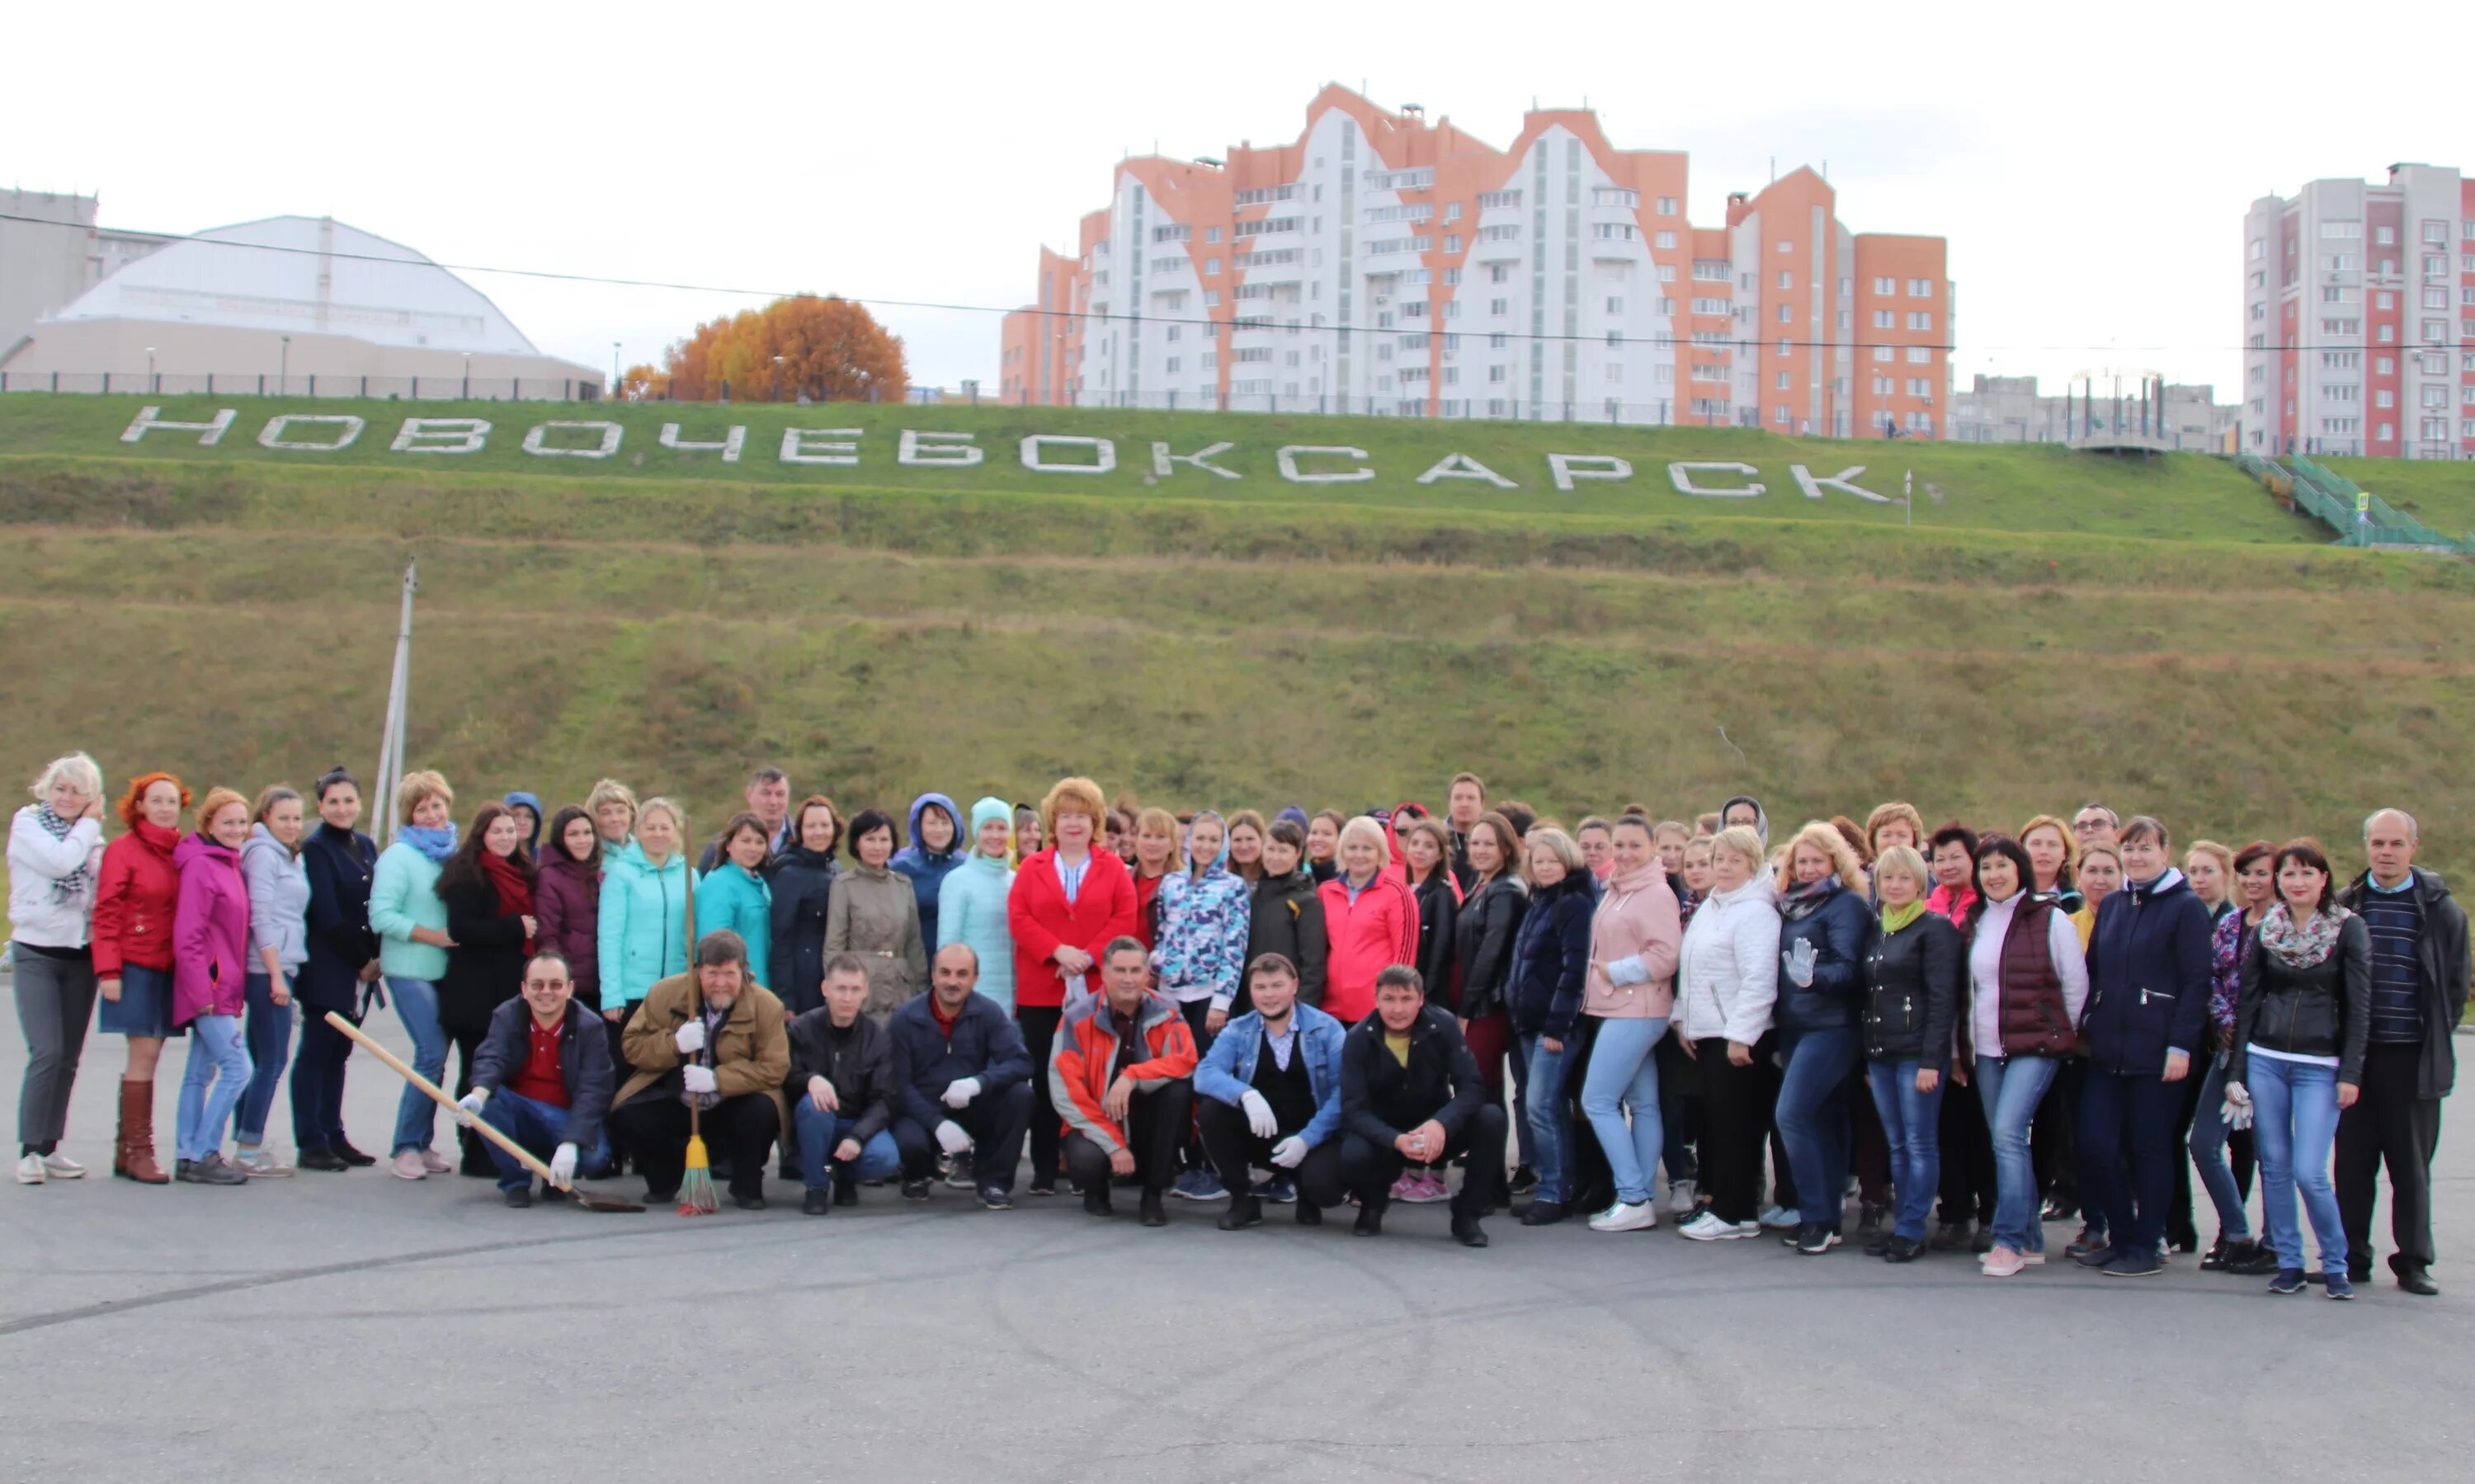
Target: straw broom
<point x="697" y="1194"/>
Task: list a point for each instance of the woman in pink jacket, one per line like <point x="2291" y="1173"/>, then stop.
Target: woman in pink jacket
<point x="1630" y="990"/>
<point x="1371" y="919"/>
<point x="210" y="965"/>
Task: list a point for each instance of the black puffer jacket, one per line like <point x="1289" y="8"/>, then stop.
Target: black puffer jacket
<point x="1438" y="924"/>
<point x="1491" y="918"/>
<point x="1914" y="983"/>
<point x="1286" y="919"/>
<point x="2324" y="1011"/>
<point x="1551" y="957"/>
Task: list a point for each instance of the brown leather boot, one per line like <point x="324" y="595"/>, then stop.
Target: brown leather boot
<point x="135" y="1157"/>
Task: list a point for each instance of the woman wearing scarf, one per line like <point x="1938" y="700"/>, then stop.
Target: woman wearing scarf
<point x="1914" y="975"/>
<point x="341" y="975"/>
<point x="971" y="900"/>
<point x="209" y="973"/>
<point x="2224" y="1156"/>
<point x="2300" y="1033"/>
<point x="1826" y="928"/>
<point x="1204" y="916"/>
<point x="136" y="893"/>
<point x="55" y="856"/>
<point x="803" y="889"/>
<point x="279" y="944"/>
<point x="1630" y="992"/>
<point x="937" y="846"/>
<point x="410" y="922"/>
<point x="488" y="889"/>
<point x="1550" y="960"/>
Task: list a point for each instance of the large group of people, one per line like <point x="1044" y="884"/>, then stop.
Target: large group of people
<point x="1972" y="1031"/>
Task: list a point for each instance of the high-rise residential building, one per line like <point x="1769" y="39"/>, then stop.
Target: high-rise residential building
<point x="1387" y="265"/>
<point x="2359" y="317"/>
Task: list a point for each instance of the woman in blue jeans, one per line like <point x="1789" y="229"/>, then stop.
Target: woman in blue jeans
<point x="2027" y="979"/>
<point x="278" y="940"/>
<point x="1826" y="926"/>
<point x="1914" y="975"/>
<point x="1551" y="959"/>
<point x="2301" y="1034"/>
<point x="2228" y="1180"/>
<point x="1630" y="991"/>
<point x="410" y="920"/>
<point x="209" y="961"/>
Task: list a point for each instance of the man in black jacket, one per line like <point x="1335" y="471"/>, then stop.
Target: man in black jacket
<point x="543" y="1077"/>
<point x="1410" y="1090"/>
<point x="2419" y="979"/>
<point x="840" y="1090"/>
<point x="962" y="1081"/>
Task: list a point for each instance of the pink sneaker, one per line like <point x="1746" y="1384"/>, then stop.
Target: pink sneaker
<point x="1431" y="1190"/>
<point x="1406" y="1189"/>
<point x="406" y="1166"/>
<point x="2003" y="1263"/>
<point x="434" y="1163"/>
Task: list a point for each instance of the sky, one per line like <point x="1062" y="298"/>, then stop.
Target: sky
<point x="2090" y="164"/>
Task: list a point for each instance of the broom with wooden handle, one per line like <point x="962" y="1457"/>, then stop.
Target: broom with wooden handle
<point x="697" y="1194"/>
<point x="588" y="1200"/>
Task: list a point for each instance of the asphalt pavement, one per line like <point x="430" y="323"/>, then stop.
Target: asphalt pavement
<point x="356" y="1326"/>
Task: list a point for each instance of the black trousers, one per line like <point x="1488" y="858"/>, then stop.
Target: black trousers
<point x="2389" y="1127"/>
<point x="1968" y="1154"/>
<point x="1236" y="1154"/>
<point x="1770" y="1077"/>
<point x="1371" y="1168"/>
<point x="2180" y="1233"/>
<point x="473" y="1150"/>
<point x="1191" y="1154"/>
<point x="1039" y="1023"/>
<point x="1157" y="1123"/>
<point x="2053" y="1134"/>
<point x="1735" y="1118"/>
<point x="654" y="1131"/>
<point x="1871" y="1150"/>
<point x="996" y="1122"/>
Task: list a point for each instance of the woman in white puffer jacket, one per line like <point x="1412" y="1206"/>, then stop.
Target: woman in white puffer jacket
<point x="1727" y="977"/>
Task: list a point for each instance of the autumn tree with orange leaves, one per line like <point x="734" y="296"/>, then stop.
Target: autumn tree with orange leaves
<point x="829" y="350"/>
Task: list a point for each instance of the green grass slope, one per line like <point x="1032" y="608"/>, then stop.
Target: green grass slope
<point x="2157" y="635"/>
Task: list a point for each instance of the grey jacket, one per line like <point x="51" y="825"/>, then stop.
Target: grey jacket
<point x="278" y="900"/>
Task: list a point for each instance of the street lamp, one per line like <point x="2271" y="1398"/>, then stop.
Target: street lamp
<point x="468" y="375"/>
<point x="778" y="378"/>
<point x="614" y="369"/>
<point x="283" y="376"/>
<point x="152" y="384"/>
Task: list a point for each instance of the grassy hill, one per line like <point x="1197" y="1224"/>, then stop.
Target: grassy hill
<point x="2053" y="628"/>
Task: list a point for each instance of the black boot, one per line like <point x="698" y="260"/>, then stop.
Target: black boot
<point x="1370" y="1222"/>
<point x="1468" y="1232"/>
<point x="1096" y="1199"/>
<point x="1243" y="1211"/>
<point x="845" y="1188"/>
<point x="817" y="1200"/>
<point x="1152" y="1214"/>
<point x="1545" y="1213"/>
<point x="1310" y="1215"/>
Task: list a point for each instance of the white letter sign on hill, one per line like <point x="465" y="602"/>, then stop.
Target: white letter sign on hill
<point x="441" y="435"/>
<point x="728" y="448"/>
<point x="151" y="419"/>
<point x="610" y="434"/>
<point x="1569" y="467"/>
<point x="1287" y="459"/>
<point x="1680" y="476"/>
<point x="1812" y="486"/>
<point x="1201" y="458"/>
<point x="840" y="447"/>
<point x="938" y="450"/>
<point x="1104" y="454"/>
<point x="1461" y="466"/>
<point x="348" y="430"/>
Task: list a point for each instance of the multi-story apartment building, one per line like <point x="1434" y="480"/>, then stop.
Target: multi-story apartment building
<point x="1385" y="264"/>
<point x="2359" y="317"/>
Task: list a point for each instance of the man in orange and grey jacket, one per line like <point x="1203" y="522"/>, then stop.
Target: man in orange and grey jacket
<point x="1121" y="1072"/>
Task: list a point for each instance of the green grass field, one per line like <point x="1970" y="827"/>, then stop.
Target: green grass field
<point x="2055" y="627"/>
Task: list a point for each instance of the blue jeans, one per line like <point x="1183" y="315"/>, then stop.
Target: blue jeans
<point x="540" y="1129"/>
<point x="270" y="1046"/>
<point x="819" y="1131"/>
<point x="218" y="1069"/>
<point x="1624" y="1072"/>
<point x="416" y="1005"/>
<point x="2209" y="1155"/>
<point x="2294" y="1122"/>
<point x="1912" y="1125"/>
<point x="2011" y="1087"/>
<point x="1812" y="1117"/>
<point x="1551" y="1126"/>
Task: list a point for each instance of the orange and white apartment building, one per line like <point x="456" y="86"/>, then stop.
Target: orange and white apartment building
<point x="1387" y="264"/>
<point x="2358" y="329"/>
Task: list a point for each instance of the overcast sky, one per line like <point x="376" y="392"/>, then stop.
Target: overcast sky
<point x="2090" y="163"/>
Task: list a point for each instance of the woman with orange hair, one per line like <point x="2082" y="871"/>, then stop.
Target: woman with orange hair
<point x="1068" y="902"/>
<point x="209" y="973"/>
<point x="135" y="891"/>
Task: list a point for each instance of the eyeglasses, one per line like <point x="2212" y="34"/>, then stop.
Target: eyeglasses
<point x="2087" y="826"/>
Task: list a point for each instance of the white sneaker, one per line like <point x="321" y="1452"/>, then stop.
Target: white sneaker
<point x="258" y="1164"/>
<point x="1778" y="1218"/>
<point x="60" y="1166"/>
<point x="1680" y="1198"/>
<point x="1710" y="1228"/>
<point x="29" y="1170"/>
<point x="408" y="1166"/>
<point x="1636" y="1216"/>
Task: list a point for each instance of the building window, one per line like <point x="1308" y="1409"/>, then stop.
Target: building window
<point x="1921" y="288"/>
<point x="1451" y="210"/>
<point x="1920" y="319"/>
<point x="1886" y="287"/>
<point x="1667" y="207"/>
<point x="1886" y="319"/>
<point x="1667" y="242"/>
<point x="1920" y="356"/>
<point x="1615" y="304"/>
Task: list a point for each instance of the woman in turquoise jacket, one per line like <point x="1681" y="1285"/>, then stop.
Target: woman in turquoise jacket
<point x="642" y="931"/>
<point x="971" y="899"/>
<point x="734" y="895"/>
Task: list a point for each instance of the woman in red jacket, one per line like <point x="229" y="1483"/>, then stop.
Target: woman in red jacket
<point x="210" y="960"/>
<point x="1068" y="902"/>
<point x="1371" y="918"/>
<point x="136" y="889"/>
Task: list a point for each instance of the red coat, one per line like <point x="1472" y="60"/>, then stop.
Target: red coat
<point x="1037" y="912"/>
<point x="136" y="889"/>
<point x="1146" y="917"/>
<point x="1368" y="935"/>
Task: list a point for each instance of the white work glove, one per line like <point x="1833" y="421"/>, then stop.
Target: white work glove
<point x="468" y="1108"/>
<point x="2237" y="1112"/>
<point x="961" y="1091"/>
<point x="1628" y="971"/>
<point x="1258" y="1115"/>
<point x="1798" y="962"/>
<point x="1289" y="1153"/>
<point x="562" y="1166"/>
<point x="690" y="1038"/>
<point x="952" y="1136"/>
<point x="698" y="1079"/>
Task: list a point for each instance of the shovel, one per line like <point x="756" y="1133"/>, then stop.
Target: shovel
<point x="591" y="1201"/>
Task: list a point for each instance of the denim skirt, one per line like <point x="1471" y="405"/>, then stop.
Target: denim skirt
<point x="144" y="1007"/>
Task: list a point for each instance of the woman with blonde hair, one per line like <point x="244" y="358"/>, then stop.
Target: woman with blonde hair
<point x="1369" y="916"/>
<point x="612" y="804"/>
<point x="1896" y="824"/>
<point x="1727" y="981"/>
<point x="55" y="858"/>
<point x="136" y="893"/>
<point x="1825" y="930"/>
<point x="2210" y="869"/>
<point x="410" y="919"/>
<point x="209" y="969"/>
<point x="1157" y="834"/>
<point x="1068" y="902"/>
<point x="2054" y="859"/>
<point x="1551" y="959"/>
<point x="2100" y="876"/>
<point x="1914" y="974"/>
